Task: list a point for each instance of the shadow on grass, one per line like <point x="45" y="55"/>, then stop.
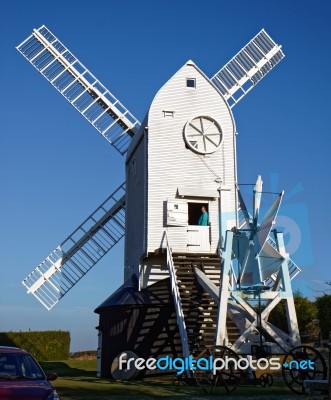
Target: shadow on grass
<point x="64" y="370"/>
<point x="77" y="380"/>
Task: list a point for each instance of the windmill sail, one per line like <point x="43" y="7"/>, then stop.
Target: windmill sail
<point x="259" y="259"/>
<point x="70" y="261"/>
<point x="247" y="67"/>
<point x="270" y="261"/>
<point x="80" y="87"/>
<point x="267" y="223"/>
<point x="244" y="219"/>
<point x="257" y="194"/>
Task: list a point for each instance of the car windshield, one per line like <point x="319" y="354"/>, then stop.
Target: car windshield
<point x="19" y="366"/>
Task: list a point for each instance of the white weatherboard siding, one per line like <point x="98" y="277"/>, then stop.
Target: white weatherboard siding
<point x="171" y="165"/>
<point x="154" y="268"/>
<point x="159" y="166"/>
<point x="135" y="206"/>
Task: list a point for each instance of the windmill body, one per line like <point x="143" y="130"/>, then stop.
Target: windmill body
<point x="168" y="180"/>
<point x="187" y="287"/>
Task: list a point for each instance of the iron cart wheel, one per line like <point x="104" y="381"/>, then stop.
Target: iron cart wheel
<point x="296" y="369"/>
<point x="183" y="380"/>
<point x="224" y="380"/>
<point x="266" y="380"/>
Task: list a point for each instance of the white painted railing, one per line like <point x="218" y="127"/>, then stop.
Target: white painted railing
<point x="177" y="300"/>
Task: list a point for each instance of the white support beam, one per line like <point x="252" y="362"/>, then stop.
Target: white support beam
<point x="221" y="332"/>
<point x="291" y="315"/>
<point x="207" y="285"/>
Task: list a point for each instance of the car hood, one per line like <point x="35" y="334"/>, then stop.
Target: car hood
<point x="22" y="389"/>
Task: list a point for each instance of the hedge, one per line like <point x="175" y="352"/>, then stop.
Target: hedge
<point x="43" y="345"/>
<point x="84" y="355"/>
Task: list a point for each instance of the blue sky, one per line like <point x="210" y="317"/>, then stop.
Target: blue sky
<point x="55" y="168"/>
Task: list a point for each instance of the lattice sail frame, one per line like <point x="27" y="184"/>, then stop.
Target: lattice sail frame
<point x="77" y="254"/>
<point x="80" y="87"/>
<point x="247" y="67"/>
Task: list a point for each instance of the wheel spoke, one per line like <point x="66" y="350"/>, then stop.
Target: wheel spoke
<point x="225" y="384"/>
<point x="197" y="129"/>
<point x="204" y="142"/>
<point x="230" y="374"/>
<point x="211" y="141"/>
<point x="311" y="375"/>
<point x="201" y="124"/>
<point x="212" y="123"/>
<point x="193" y="135"/>
<point x="318" y="372"/>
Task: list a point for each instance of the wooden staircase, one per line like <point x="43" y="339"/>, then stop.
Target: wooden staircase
<point x="200" y="310"/>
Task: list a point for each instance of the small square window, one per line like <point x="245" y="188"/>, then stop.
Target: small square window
<point x="190" y="83"/>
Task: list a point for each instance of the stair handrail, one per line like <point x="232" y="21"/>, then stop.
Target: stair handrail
<point x="177" y="301"/>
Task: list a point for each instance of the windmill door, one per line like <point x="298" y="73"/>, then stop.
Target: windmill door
<point x="186" y="215"/>
<point x="198" y="237"/>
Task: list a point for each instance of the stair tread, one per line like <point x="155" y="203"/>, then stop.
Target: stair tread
<point x="200" y="311"/>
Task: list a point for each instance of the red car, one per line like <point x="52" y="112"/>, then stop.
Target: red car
<point x="21" y="377"/>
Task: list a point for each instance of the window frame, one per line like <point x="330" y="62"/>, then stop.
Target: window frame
<point x="194" y="83"/>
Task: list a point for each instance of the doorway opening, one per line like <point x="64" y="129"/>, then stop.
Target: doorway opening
<point x="194" y="212"/>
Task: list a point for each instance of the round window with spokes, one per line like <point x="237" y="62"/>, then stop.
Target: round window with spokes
<point x="203" y="135"/>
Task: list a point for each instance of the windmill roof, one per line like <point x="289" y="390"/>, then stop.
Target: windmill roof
<point x="144" y="126"/>
<point x="128" y="295"/>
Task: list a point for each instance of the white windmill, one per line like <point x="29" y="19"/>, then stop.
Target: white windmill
<point x="182" y="157"/>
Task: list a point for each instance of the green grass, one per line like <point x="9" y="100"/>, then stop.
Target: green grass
<point x="77" y="381"/>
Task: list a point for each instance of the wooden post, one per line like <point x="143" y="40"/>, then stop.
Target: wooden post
<point x="329" y="377"/>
